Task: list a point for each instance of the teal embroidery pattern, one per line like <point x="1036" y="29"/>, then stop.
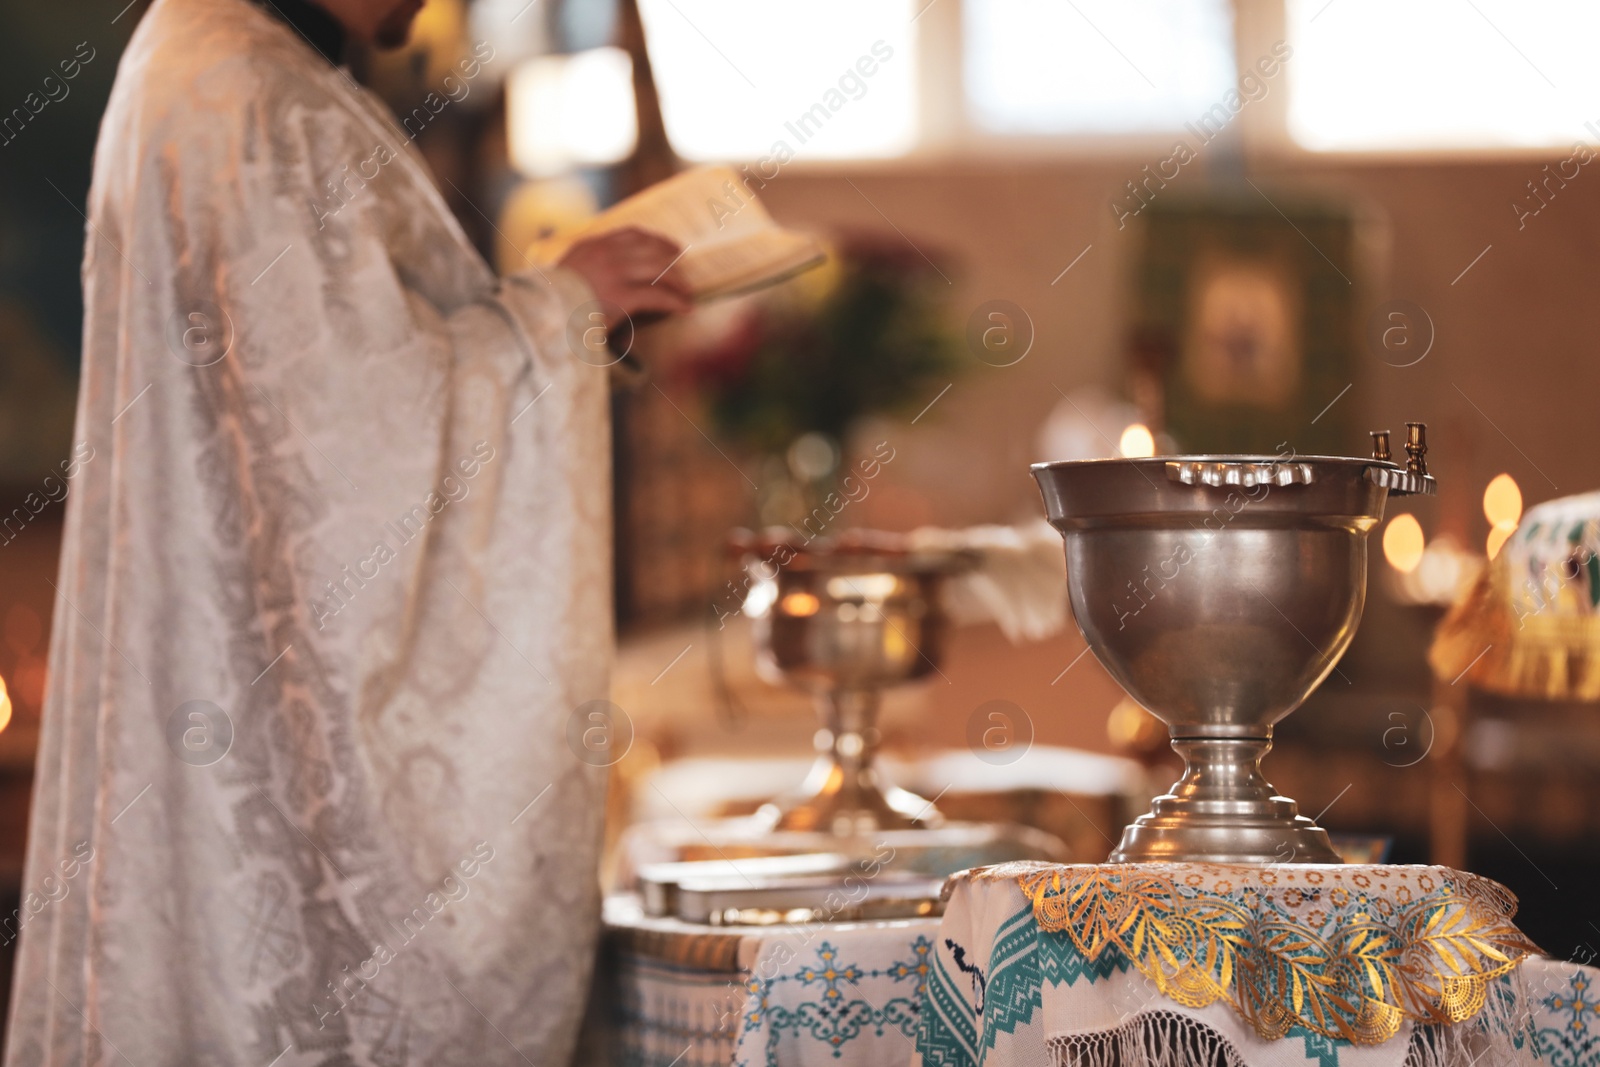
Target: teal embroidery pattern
<point x="830" y="973"/>
<point x="1574" y="1039"/>
<point x="919" y="966"/>
<point x="1008" y="996"/>
<point x="1325" y="1050"/>
<point x="948" y="1035"/>
<point x="833" y="1011"/>
<point x="1060" y="962"/>
<point x="1012" y="996"/>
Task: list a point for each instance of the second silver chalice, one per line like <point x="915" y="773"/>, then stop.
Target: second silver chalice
<point x="1219" y="591"/>
<point x="843" y="621"/>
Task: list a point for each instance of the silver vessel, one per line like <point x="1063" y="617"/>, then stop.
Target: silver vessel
<point x="1219" y="591"/>
<point x="843" y="621"/>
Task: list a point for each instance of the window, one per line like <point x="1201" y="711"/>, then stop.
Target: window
<point x="571" y="110"/>
<point x="1430" y="74"/>
<point x="860" y="79"/>
<point x="1094" y="66"/>
<point x="825" y="79"/>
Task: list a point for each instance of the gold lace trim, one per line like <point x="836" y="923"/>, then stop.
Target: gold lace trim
<point x="1356" y="979"/>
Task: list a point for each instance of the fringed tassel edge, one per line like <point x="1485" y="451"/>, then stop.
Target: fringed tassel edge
<point x="1152" y="1039"/>
<point x="1496" y="1037"/>
<point x="1553" y="658"/>
<point x="1500" y="1034"/>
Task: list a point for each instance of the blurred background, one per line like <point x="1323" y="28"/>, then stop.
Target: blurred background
<point x="1060" y="229"/>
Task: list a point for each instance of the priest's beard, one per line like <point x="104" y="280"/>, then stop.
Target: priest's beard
<point x="395" y="29"/>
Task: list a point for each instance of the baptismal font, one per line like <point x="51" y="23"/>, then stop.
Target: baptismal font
<point x="1219" y="591"/>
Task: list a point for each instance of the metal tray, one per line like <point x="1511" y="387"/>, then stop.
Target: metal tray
<point x="855" y="897"/>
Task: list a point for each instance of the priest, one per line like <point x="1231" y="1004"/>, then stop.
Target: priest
<point x="334" y="589"/>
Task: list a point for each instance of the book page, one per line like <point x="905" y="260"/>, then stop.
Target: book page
<point x="731" y="245"/>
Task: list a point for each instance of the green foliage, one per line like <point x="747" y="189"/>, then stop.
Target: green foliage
<point x="877" y="345"/>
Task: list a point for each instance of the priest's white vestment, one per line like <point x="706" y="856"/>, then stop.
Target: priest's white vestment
<point x="335" y="579"/>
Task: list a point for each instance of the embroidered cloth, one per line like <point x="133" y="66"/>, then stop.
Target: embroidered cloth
<point x="819" y="994"/>
<point x="988" y="985"/>
<point x="1190" y="965"/>
<point x="1530" y="626"/>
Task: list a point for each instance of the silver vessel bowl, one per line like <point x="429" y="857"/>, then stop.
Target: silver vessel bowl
<point x="1219" y="591"/>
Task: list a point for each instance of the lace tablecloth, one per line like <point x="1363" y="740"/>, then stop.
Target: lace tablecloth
<point x="1191" y="965"/>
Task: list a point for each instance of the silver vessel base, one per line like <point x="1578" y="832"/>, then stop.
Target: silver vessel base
<point x="1155" y="838"/>
<point x="1223" y="811"/>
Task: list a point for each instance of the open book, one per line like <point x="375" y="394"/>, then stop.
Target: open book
<point x="730" y="244"/>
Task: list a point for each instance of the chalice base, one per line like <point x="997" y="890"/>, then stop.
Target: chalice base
<point x="840" y="799"/>
<point x="1184" y="837"/>
<point x="1223" y="811"/>
<point x="843" y="793"/>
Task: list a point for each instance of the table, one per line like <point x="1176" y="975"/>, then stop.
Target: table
<point x="1001" y="979"/>
<point x="1196" y="965"/>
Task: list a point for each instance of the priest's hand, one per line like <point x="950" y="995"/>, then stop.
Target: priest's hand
<point x="632" y="272"/>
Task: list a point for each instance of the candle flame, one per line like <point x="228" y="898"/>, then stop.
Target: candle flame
<point x="1502" y="502"/>
<point x="1137" y="441"/>
<point x="1403" y="543"/>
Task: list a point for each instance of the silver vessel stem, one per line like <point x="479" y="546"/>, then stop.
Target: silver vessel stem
<point x="843" y="793"/>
